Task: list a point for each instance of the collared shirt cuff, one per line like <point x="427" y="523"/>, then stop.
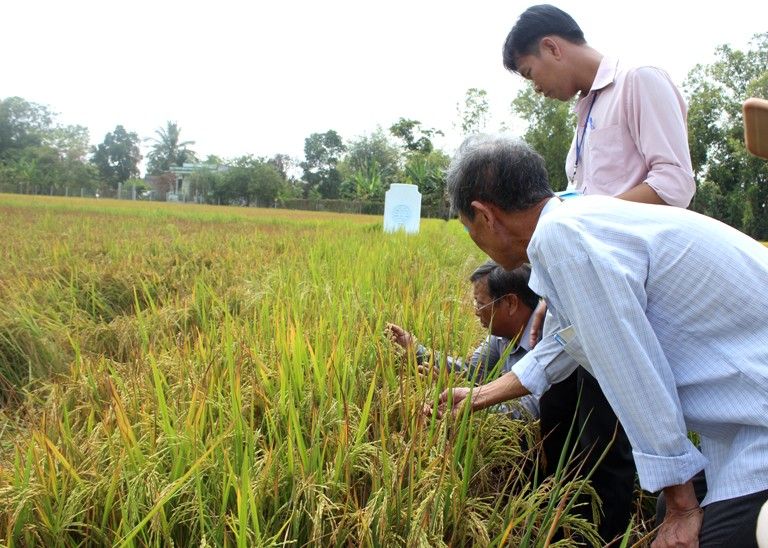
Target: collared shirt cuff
<point x="657" y="472"/>
<point x="531" y="375"/>
<point x="421" y="353"/>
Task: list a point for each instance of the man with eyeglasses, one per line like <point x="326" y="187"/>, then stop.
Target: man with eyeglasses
<point x="503" y="304"/>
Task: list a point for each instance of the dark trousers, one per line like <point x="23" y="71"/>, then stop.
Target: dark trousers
<point x="614" y="478"/>
<point x="730" y="523"/>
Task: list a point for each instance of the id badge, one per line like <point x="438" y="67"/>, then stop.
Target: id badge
<point x="572" y="346"/>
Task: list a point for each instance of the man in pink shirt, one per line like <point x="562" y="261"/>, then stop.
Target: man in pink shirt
<point x="631" y="138"/>
<point x="634" y="143"/>
<point x="630" y="142"/>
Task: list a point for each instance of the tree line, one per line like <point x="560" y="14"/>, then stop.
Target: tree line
<point x="38" y="154"/>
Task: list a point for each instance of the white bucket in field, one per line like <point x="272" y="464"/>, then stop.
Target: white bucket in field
<point x="402" y="208"/>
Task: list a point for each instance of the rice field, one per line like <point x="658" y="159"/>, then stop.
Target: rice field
<point x="198" y="376"/>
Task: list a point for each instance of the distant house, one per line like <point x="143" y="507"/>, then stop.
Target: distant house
<point x="182" y="190"/>
<point x="160" y="185"/>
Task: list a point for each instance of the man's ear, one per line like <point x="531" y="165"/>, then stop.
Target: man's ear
<point x="513" y="301"/>
<point x="485" y="212"/>
<point x="550" y="45"/>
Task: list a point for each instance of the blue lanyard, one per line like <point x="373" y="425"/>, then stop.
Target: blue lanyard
<point x="580" y="142"/>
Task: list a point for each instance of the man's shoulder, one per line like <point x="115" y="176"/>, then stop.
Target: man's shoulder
<point x="578" y="220"/>
<point x="577" y="208"/>
<point x="641" y="73"/>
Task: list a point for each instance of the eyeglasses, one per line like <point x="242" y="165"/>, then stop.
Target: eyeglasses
<point x="479" y="307"/>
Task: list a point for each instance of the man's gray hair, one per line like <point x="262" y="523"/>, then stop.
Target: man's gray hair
<point x="499" y="170"/>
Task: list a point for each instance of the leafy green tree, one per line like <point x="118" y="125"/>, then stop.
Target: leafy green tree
<point x="550" y="131"/>
<point x="282" y="163"/>
<point x="38" y="155"/>
<point x="34" y="167"/>
<point x="117" y="157"/>
<point x="367" y="183"/>
<point x="71" y="175"/>
<point x="71" y="142"/>
<point x="427" y="172"/>
<point x="268" y="183"/>
<point x="169" y="150"/>
<point x="250" y="180"/>
<point x="415" y="138"/>
<point x="40" y="170"/>
<point x="372" y="164"/>
<point x="291" y="187"/>
<point x="22" y="124"/>
<point x="322" y="153"/>
<point x="135" y="188"/>
<point x="206" y="184"/>
<point x="213" y="160"/>
<point x="716" y="136"/>
<point x="473" y="114"/>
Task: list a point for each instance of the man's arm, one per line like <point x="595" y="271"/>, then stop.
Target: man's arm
<point x="547" y="363"/>
<point x="604" y="299"/>
<point x="534" y="373"/>
<point x="504" y="388"/>
<point x="682" y="521"/>
<point x="642" y="193"/>
<point x="483" y="359"/>
<point x="656" y="119"/>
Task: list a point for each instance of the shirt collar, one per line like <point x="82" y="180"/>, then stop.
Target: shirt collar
<point x="553" y="203"/>
<point x="523" y="341"/>
<point x="525" y="336"/>
<point x="550" y="206"/>
<point x="606" y="75"/>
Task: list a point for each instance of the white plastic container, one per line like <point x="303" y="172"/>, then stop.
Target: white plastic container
<point x="402" y="208"/>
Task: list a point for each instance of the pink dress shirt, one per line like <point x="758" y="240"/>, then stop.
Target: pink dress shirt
<point x="636" y="133"/>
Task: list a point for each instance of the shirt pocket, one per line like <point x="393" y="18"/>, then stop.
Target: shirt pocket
<point x="607" y="158"/>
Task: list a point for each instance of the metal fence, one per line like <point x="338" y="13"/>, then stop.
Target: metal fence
<point x="353" y="206"/>
<point x="128" y="193"/>
<point x="133" y="193"/>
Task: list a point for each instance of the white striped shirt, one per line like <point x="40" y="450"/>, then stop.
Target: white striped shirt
<point x="670" y="314"/>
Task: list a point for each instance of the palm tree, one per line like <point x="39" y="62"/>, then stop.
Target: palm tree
<point x="168" y="150"/>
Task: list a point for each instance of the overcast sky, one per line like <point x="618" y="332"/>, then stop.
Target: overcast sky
<point x="258" y="77"/>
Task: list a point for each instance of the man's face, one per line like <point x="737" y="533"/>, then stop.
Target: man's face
<point x="546" y="74"/>
<point x="484" y="305"/>
<point x="506" y="251"/>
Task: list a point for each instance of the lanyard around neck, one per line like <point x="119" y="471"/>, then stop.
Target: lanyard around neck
<point x="580" y="141"/>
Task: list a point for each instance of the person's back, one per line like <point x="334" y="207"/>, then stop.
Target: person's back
<point x="697" y="286"/>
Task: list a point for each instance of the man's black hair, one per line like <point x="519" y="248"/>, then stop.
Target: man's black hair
<point x="503" y="282"/>
<point x="483" y="270"/>
<point x="534" y="24"/>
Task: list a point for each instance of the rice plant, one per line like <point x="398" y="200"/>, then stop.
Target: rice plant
<point x="187" y="375"/>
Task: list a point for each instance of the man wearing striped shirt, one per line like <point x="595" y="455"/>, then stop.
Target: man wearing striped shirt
<point x="503" y="304"/>
<point x="679" y="296"/>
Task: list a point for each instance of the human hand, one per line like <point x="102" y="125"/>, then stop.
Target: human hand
<point x="537" y="324"/>
<point x="399" y="336"/>
<point x="428" y="370"/>
<point x="459" y="398"/>
<point x="680" y="529"/>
